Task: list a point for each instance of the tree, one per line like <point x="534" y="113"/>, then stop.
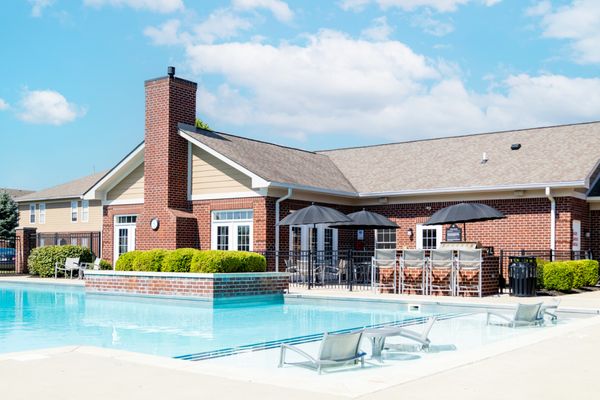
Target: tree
<point x="9" y="215"/>
<point x="202" y="125"/>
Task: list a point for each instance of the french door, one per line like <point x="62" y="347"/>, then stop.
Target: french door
<point x="124" y="240"/>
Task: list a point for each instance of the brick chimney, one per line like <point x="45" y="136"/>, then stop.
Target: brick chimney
<point x="169" y="101"/>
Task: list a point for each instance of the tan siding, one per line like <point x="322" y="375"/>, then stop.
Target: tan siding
<point x="130" y="188"/>
<point x="58" y="217"/>
<point x="211" y="175"/>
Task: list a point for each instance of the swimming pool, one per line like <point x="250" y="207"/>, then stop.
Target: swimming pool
<point x="39" y="316"/>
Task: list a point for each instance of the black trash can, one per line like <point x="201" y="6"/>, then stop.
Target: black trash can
<point x="522" y="276"/>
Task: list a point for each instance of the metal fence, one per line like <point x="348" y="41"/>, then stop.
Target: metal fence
<point x="8" y="254"/>
<point x="91" y="240"/>
<point x="545" y="254"/>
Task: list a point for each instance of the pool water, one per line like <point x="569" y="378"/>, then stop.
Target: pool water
<point x="40" y="316"/>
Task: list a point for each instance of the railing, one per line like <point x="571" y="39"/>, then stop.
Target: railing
<point x="8" y="254"/>
<point x="544" y="254"/>
<point x="91" y="240"/>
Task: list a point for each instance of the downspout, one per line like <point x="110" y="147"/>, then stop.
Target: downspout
<point x="287" y="196"/>
<point x="552" y="219"/>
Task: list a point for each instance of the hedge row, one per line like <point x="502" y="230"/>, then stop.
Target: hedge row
<point x="191" y="260"/>
<point x="41" y="261"/>
<point x="567" y="275"/>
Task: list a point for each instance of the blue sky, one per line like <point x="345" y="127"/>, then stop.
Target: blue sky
<point x="311" y="74"/>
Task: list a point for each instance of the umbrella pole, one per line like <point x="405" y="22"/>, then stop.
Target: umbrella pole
<point x="465" y="231"/>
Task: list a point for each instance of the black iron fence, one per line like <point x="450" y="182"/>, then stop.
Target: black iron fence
<point x="91" y="240"/>
<point x="8" y="254"/>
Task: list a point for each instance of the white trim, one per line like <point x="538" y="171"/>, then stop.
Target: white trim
<point x="257" y="181"/>
<point x="340" y="193"/>
<point x="593" y="199"/>
<point x="419" y="234"/>
<point x="91" y="194"/>
<point x="119" y="202"/>
<point x="189" y="171"/>
<point x="131" y="231"/>
<point x="587" y="178"/>
<point x="232" y="227"/>
<point x="231" y="195"/>
<point x="552" y="218"/>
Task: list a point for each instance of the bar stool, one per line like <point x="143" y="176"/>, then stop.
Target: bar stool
<point x="413" y="271"/>
<point x="469" y="263"/>
<point x="441" y="272"/>
<point x="384" y="260"/>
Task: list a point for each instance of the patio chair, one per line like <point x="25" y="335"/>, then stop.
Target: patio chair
<point x="441" y="272"/>
<point x="70" y="265"/>
<point x="469" y="264"/>
<point x="413" y="271"/>
<point x="379" y="335"/>
<point x="89" y="266"/>
<point x="384" y="259"/>
<point x="524" y="315"/>
<point x="335" y="350"/>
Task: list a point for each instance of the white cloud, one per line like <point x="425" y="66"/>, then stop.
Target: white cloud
<point x="161" y="6"/>
<point x="278" y="8"/>
<point x="47" y="107"/>
<point x="578" y="22"/>
<point x="337" y="84"/>
<point x="166" y="34"/>
<point x="411" y="5"/>
<point x="431" y="25"/>
<point x="379" y="31"/>
<point x="37" y="6"/>
<point x="3" y="105"/>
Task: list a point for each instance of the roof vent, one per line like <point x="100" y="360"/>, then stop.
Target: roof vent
<point x="484" y="158"/>
<point x="515" y="146"/>
<point x="171" y="71"/>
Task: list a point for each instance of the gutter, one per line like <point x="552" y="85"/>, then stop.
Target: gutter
<point x="552" y="218"/>
<point x="277" y="203"/>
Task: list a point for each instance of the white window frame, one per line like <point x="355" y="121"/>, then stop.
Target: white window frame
<point x="74" y="211"/>
<point x="32" y="218"/>
<point x="131" y="230"/>
<point x="232" y="225"/>
<point x="394" y="243"/>
<point x="305" y="237"/>
<point x="85" y="210"/>
<point x="420" y="228"/>
<point x="42" y="213"/>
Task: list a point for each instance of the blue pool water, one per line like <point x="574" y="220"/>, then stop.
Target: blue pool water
<point x="40" y="316"/>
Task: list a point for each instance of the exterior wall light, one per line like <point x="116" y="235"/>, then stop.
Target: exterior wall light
<point x="409" y="233"/>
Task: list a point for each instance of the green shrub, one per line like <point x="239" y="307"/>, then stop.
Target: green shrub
<point x="579" y="278"/>
<point x="179" y="260"/>
<point x="540" y="272"/>
<point x="149" y="261"/>
<point x="589" y="272"/>
<point x="558" y="276"/>
<point x="125" y="261"/>
<point x="41" y="261"/>
<point x="105" y="265"/>
<point x="219" y="261"/>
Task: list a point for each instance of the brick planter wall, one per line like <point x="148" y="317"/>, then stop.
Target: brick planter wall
<point x="210" y="287"/>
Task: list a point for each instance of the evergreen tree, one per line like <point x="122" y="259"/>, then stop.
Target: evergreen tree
<point x="9" y="215"/>
<point x="202" y="125"/>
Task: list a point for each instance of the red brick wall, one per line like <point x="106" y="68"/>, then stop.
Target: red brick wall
<point x="169" y="101"/>
<point x="108" y="227"/>
<point x="208" y="287"/>
<point x="595" y="233"/>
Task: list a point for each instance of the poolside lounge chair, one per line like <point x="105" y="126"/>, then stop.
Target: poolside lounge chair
<point x="384" y="260"/>
<point x="413" y="271"/>
<point x="378" y="336"/>
<point x="549" y="309"/>
<point x="335" y="350"/>
<point x="86" y="266"/>
<point x="524" y="315"/>
<point x="70" y="265"/>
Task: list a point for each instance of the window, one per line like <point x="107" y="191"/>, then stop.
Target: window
<point x="232" y="230"/>
<point x="74" y="207"/>
<point x="32" y="213"/>
<point x="296" y="239"/>
<point x="42" y="210"/>
<point x="126" y="219"/>
<point x="307" y="238"/>
<point x="85" y="210"/>
<point x="385" y="239"/>
<point x="429" y="237"/>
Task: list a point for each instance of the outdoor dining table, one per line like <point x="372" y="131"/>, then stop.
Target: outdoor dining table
<point x="377" y="337"/>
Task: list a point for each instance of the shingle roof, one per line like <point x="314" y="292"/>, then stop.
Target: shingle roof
<point x="274" y="163"/>
<point x="71" y="189"/>
<point x="566" y="153"/>
<point x="14" y="193"/>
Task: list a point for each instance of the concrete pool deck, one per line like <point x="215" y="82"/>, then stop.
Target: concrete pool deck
<point x="555" y="364"/>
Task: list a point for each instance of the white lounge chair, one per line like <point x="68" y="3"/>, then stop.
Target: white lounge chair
<point x="89" y="266"/>
<point x="70" y="265"/>
<point x="549" y="309"/>
<point x="336" y="349"/>
<point x="524" y="315"/>
<point x="378" y="336"/>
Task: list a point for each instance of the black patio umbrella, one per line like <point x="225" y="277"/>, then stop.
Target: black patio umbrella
<point x="366" y="220"/>
<point x="463" y="213"/>
<point x="313" y="215"/>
